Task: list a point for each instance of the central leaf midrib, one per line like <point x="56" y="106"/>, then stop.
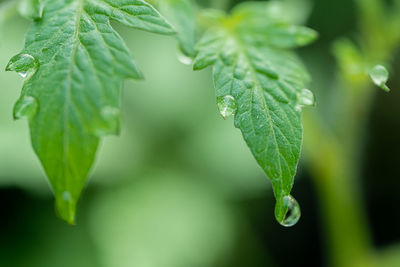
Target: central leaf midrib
<point x="68" y="88"/>
<point x="258" y="86"/>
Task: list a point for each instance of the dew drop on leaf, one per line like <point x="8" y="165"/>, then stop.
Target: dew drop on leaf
<point x="110" y="125"/>
<point x="26" y="107"/>
<point x="227" y="106"/>
<point x="305" y="98"/>
<point x="66" y="207"/>
<point x="380" y="75"/>
<point x="293" y="212"/>
<point x="184" y="59"/>
<point x="24" y="64"/>
<point x="66" y="196"/>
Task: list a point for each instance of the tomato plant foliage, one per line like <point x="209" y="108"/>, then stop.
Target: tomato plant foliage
<point x="74" y="63"/>
<point x="252" y="64"/>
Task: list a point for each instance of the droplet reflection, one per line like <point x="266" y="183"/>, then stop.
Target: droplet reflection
<point x="293" y="213"/>
<point x="380" y="75"/>
<point x="184" y="59"/>
<point x="24" y="64"/>
<point x="227" y="106"/>
<point x="305" y="98"/>
<point x="26" y="107"/>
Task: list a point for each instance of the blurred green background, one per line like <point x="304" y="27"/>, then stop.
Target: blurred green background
<point x="179" y="187"/>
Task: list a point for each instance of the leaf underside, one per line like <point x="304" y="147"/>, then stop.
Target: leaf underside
<point x="182" y="15"/>
<point x="252" y="62"/>
<point x="76" y="84"/>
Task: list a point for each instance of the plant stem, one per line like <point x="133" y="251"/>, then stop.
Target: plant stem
<point x="334" y="157"/>
<point x="337" y="189"/>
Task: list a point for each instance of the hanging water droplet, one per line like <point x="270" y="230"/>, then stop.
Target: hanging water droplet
<point x="26" y="107"/>
<point x="24" y="64"/>
<point x="110" y="121"/>
<point x="305" y="98"/>
<point x="184" y="59"/>
<point x="380" y="75"/>
<point x="293" y="212"/>
<point x="227" y="106"/>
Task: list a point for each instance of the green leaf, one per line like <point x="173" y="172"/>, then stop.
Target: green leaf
<point x="182" y="15"/>
<point x="252" y="66"/>
<point x="286" y="11"/>
<point x="74" y="64"/>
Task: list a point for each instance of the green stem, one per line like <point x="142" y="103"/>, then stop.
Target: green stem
<point x="341" y="206"/>
<point x="334" y="156"/>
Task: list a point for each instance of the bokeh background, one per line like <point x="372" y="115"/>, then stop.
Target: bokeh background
<point x="179" y="187"/>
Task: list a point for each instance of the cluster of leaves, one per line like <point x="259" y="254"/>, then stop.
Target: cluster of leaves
<point x="74" y="63"/>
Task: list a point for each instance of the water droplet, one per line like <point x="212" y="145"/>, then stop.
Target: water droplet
<point x="305" y="98"/>
<point x="110" y="121"/>
<point x="66" y="206"/>
<point x="380" y="75"/>
<point x="66" y="196"/>
<point x="293" y="212"/>
<point x="26" y="107"/>
<point x="184" y="59"/>
<point x="24" y="64"/>
<point x="227" y="106"/>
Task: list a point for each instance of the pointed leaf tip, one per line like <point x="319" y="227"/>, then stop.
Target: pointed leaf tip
<point x="65" y="130"/>
<point x="66" y="207"/>
<point x="260" y="72"/>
